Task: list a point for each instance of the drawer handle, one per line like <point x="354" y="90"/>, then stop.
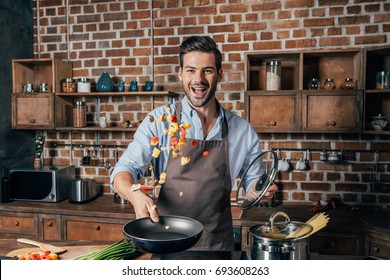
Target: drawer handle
<point x="331" y="123"/>
<point x="16" y="223"/>
<point x="376" y="249"/>
<point x="272" y="123"/>
<point x="32" y="121"/>
<point x="49" y="224"/>
<point x="97" y="227"/>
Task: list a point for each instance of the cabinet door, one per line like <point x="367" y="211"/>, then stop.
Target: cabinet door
<point x="331" y="111"/>
<point x="274" y="111"/>
<point x="33" y="111"/>
<point x="81" y="228"/>
<point x="377" y="247"/>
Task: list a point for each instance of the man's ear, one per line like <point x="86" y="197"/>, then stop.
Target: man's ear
<point x="220" y="73"/>
<point x="179" y="74"/>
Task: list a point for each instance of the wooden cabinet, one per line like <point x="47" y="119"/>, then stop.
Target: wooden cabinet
<point x="294" y="108"/>
<point x="331" y="111"/>
<point x="39" y="110"/>
<point x="85" y="228"/>
<point x="376" y="101"/>
<point x="277" y="111"/>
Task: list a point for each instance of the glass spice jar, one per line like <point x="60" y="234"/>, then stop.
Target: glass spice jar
<point x="348" y="84"/>
<point x="79" y="114"/>
<point x="273" y="75"/>
<point x="314" y="84"/>
<point x="329" y="84"/>
<point x="84" y="85"/>
<point x="68" y="85"/>
<point x="383" y="80"/>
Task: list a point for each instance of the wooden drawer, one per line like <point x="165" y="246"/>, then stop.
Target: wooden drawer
<point x="18" y="224"/>
<point x="377" y="247"/>
<point x="79" y="228"/>
<point x="50" y="227"/>
<point x="336" y="244"/>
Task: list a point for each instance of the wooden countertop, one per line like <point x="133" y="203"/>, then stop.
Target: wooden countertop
<point x="342" y="219"/>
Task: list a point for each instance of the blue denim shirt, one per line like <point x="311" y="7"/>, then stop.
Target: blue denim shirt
<point x="244" y="144"/>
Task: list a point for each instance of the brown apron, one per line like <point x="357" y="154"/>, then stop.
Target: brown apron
<point x="201" y="190"/>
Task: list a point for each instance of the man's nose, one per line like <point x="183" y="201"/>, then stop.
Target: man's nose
<point x="198" y="77"/>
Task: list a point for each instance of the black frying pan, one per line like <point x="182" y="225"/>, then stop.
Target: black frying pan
<point x="170" y="235"/>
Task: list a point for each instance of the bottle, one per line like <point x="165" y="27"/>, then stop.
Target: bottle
<point x="273" y="75"/>
<point x="86" y="157"/>
<point x="314" y="84"/>
<point x="329" y="84"/>
<point x="94" y="158"/>
<point x="6" y="187"/>
<point x="348" y="84"/>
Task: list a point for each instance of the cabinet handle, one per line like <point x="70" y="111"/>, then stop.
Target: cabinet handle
<point x="16" y="223"/>
<point x="376" y="249"/>
<point x="272" y="123"/>
<point x="97" y="227"/>
<point x="49" y="224"/>
<point x="32" y="121"/>
<point x="331" y="123"/>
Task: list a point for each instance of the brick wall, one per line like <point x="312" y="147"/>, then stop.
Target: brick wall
<point x="115" y="36"/>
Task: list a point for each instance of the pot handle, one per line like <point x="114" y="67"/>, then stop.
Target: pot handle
<point x="275" y="215"/>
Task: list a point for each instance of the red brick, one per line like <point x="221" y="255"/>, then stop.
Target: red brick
<point x="335" y="41"/>
<point x="375" y="39"/>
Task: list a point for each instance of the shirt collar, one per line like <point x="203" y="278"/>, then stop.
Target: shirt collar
<point x="191" y="112"/>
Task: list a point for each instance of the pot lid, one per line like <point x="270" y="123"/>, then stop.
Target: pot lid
<point x="278" y="230"/>
<point x="263" y="184"/>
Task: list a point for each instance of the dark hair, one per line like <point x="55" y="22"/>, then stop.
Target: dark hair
<point x="200" y="44"/>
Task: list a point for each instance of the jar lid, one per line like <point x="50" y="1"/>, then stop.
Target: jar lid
<point x="79" y="103"/>
<point x="84" y="80"/>
<point x="273" y="63"/>
<point x="69" y="80"/>
<point x="329" y="80"/>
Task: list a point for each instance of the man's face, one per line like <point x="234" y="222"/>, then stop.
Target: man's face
<point x="200" y="77"/>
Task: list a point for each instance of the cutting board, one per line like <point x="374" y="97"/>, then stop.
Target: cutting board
<point x="71" y="251"/>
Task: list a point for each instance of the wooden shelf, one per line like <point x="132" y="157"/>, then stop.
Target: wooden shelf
<point x="97" y="128"/>
<point x="116" y="93"/>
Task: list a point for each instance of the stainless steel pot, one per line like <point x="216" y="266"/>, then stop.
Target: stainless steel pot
<point x="280" y="240"/>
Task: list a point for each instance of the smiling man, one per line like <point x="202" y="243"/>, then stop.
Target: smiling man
<point x="198" y="149"/>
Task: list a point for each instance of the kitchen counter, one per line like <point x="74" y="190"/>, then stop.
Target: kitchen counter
<point x="102" y="219"/>
<point x="341" y="219"/>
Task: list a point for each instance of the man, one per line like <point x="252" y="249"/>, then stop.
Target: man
<point x="201" y="166"/>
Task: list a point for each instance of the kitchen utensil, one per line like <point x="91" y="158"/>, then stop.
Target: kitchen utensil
<point x="171" y="234"/>
<point x="271" y="242"/>
<point x="119" y="199"/>
<point x="42" y="246"/>
<point x="263" y="184"/>
<point x="71" y="252"/>
<point x="83" y="190"/>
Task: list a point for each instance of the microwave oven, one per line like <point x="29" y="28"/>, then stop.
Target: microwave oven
<point x="49" y="184"/>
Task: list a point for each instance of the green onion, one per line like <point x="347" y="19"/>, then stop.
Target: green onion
<point x="116" y="251"/>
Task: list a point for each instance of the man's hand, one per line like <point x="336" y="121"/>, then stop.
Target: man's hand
<point x="143" y="204"/>
<point x="253" y="194"/>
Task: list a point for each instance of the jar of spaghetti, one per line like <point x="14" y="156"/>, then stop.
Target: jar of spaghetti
<point x="79" y="114"/>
